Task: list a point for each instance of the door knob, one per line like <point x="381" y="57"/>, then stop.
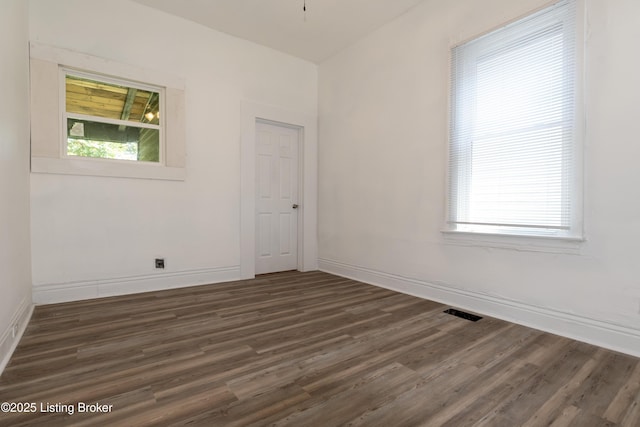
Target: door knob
<point x="294" y="206"/>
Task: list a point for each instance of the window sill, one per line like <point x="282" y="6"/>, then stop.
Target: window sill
<point x="106" y="168"/>
<point x="526" y="243"/>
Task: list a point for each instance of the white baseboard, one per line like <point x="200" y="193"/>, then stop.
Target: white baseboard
<point x="604" y="334"/>
<point x="11" y="335"/>
<point x="65" y="292"/>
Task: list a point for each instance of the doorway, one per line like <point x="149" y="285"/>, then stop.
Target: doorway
<point x="277" y="197"/>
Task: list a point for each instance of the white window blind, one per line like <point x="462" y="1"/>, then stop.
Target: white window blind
<point x="512" y="136"/>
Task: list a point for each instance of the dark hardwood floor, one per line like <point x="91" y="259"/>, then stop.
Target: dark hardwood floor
<point x="306" y="349"/>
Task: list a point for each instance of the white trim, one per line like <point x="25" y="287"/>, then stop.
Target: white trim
<point x="9" y="342"/>
<point x="107" y="167"/>
<point x="110" y="80"/>
<point x="97" y="119"/>
<point x="49" y="293"/>
<point x="560" y="245"/>
<point x="604" y="334"/>
<point x="464" y="38"/>
<point x="308" y="157"/>
<point x="104" y="66"/>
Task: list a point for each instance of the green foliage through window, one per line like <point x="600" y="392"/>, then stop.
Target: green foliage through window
<point x="102" y="149"/>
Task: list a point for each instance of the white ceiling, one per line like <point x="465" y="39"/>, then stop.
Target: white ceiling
<point x="330" y="25"/>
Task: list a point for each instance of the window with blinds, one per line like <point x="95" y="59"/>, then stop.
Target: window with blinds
<point x="513" y="128"/>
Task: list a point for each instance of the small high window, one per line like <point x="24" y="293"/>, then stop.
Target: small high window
<point x="109" y="118"/>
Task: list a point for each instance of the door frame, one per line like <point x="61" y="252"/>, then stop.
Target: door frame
<point x="252" y="113"/>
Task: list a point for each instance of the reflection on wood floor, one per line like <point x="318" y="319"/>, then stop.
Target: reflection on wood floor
<point x="307" y="349"/>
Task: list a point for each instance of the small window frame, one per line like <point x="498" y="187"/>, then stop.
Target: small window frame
<point x="45" y="107"/>
<point x="101" y="78"/>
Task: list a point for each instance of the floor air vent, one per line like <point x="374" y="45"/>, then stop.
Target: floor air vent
<point x="462" y="314"/>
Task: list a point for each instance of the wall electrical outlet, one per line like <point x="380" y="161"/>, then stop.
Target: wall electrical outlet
<point x="159" y="262"/>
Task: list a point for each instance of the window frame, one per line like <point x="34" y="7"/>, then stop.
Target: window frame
<point x="47" y="105"/>
<point x="101" y="78"/>
<point x="511" y="237"/>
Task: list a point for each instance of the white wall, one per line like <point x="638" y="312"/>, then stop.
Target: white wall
<point x="95" y="236"/>
<point x="15" y="270"/>
<point x="383" y="137"/>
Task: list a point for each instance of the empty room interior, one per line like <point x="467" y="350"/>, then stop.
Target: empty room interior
<point x="320" y="213"/>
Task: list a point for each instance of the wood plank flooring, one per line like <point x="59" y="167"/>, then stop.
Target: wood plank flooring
<point x="306" y="349"/>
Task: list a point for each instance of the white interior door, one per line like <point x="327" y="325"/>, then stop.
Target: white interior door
<point x="276" y="198"/>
